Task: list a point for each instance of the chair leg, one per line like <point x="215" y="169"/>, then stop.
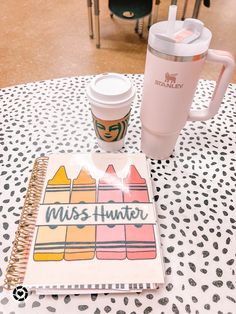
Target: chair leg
<point x="97" y="24"/>
<point x="196" y="9"/>
<point x="184" y="10"/>
<point x="155" y="11"/>
<point x="136" y="26"/>
<point x="140" y="27"/>
<point x="149" y="21"/>
<point x="90" y="18"/>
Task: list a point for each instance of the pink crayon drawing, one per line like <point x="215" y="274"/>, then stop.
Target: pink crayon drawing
<point x="135" y="187"/>
<point x="140" y="242"/>
<point x="110" y="242"/>
<point x="110" y="187"/>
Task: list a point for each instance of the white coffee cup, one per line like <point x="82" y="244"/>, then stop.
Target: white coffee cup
<point x="110" y="96"/>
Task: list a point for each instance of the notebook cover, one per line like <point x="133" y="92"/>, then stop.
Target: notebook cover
<point x="95" y="226"/>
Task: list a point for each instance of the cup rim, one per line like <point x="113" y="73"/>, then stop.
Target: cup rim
<point x="111" y="104"/>
<point x="117" y="101"/>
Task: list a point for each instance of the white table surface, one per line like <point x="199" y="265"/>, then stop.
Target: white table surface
<point x="194" y="192"/>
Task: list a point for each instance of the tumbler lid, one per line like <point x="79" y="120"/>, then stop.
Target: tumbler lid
<point x="158" y="40"/>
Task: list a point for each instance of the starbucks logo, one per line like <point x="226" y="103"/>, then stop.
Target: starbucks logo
<point x="111" y="130"/>
<point x="20" y="293"/>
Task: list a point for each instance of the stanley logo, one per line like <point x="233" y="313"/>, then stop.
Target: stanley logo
<point x="170" y="81"/>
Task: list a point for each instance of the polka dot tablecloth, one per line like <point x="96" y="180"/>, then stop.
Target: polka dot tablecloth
<point x="194" y="192"/>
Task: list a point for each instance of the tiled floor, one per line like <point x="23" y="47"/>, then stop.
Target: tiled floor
<point x="49" y="39"/>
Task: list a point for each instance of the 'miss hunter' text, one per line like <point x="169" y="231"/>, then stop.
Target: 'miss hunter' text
<point x="99" y="214"/>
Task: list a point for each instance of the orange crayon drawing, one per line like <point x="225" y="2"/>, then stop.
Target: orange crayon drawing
<point x="50" y="243"/>
<point x="58" y="188"/>
<point x="83" y="188"/>
<point x="80" y="242"/>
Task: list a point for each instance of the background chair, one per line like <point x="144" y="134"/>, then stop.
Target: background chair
<point x="132" y="10"/>
<point x="196" y="8"/>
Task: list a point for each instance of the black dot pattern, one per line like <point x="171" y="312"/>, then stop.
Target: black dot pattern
<point x="194" y="192"/>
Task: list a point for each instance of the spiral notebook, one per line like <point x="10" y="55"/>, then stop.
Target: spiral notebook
<point x="88" y="225"/>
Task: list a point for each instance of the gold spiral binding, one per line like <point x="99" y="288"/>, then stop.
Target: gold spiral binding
<point x="24" y="234"/>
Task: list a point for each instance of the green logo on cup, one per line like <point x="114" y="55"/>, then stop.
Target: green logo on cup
<point x="111" y="130"/>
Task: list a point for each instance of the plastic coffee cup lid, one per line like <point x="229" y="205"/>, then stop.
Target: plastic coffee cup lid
<point x="110" y="89"/>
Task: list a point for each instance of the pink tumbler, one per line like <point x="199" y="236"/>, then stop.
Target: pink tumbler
<point x="174" y="62"/>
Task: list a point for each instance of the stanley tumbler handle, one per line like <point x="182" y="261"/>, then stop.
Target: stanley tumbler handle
<point x="227" y="60"/>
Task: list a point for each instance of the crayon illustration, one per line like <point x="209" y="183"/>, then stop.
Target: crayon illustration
<point x="110" y="187"/>
<point x="140" y="241"/>
<point x="110" y="242"/>
<point x="135" y="187"/>
<point x="50" y="243"/>
<point x="80" y="242"/>
<point x="83" y="188"/>
<point x="58" y="188"/>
